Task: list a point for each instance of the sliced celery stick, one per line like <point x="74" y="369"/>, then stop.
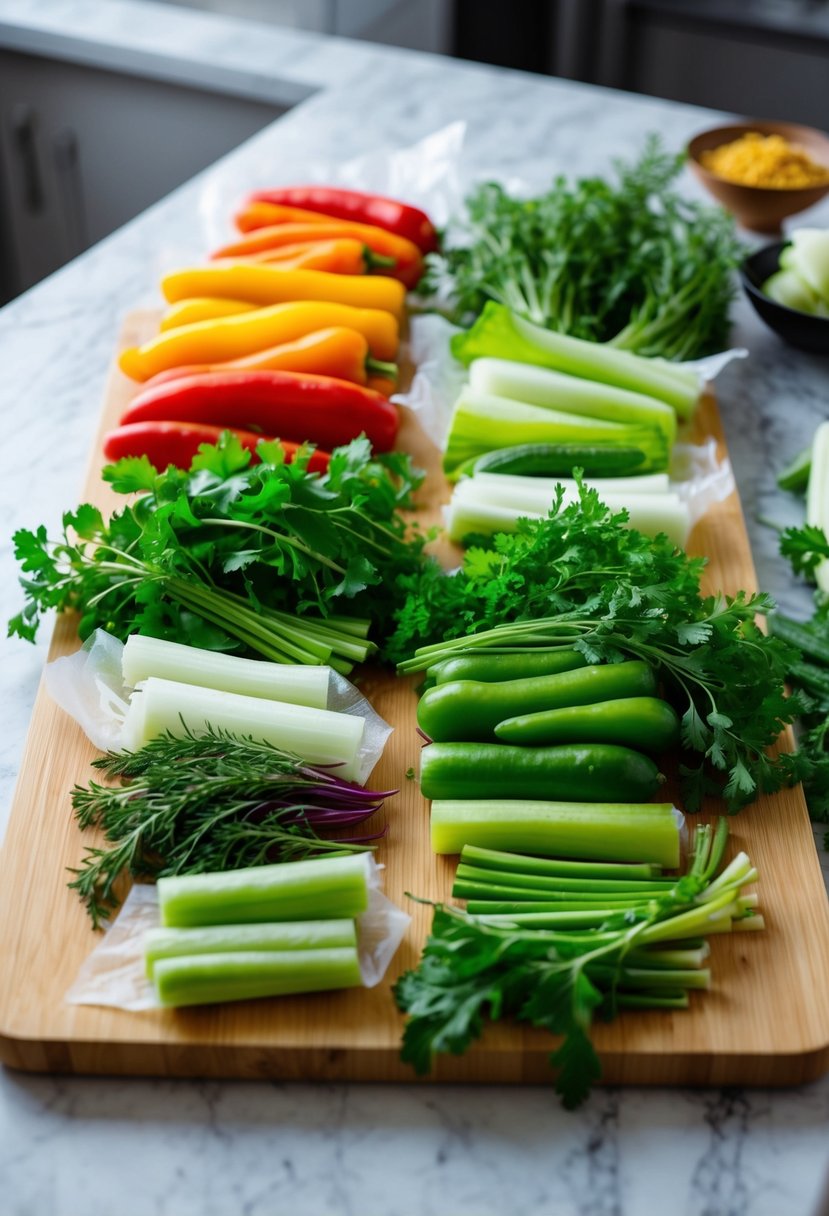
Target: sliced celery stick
<point x="482" y="421"/>
<point x="506" y="907"/>
<point x="493" y="859"/>
<point x="571" y="394"/>
<point x="600" y="831"/>
<point x="223" y="939"/>
<point x="535" y="882"/>
<point x="647" y="483"/>
<point x="817" y="495"/>
<point x="787" y="288"/>
<point x="319" y="736"/>
<point x="809" y="257"/>
<point x="144" y="657"/>
<point x="204" y="979"/>
<point x="297" y="890"/>
<point x="487" y="510"/>
<point x="676" y="385"/>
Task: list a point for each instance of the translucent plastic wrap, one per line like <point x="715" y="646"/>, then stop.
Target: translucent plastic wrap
<point x="114" y="973"/>
<point x="89" y="686"/>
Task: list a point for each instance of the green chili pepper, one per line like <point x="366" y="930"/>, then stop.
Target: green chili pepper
<point x="592" y="772"/>
<point x="469" y="710"/>
<point x="643" y="722"/>
<point x="492" y="668"/>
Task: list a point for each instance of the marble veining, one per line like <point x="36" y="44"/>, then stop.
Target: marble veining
<point x="74" y="1144"/>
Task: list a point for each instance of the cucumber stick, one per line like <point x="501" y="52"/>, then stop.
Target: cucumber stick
<point x="582" y="772"/>
<point x="592" y="831"/>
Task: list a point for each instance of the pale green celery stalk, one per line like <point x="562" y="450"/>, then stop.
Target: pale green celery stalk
<point x="652" y="1000"/>
<point x="484" y="509"/>
<point x="692" y="957"/>
<point x="647" y="483"/>
<point x="482" y="422"/>
<point x="591" y="919"/>
<point x="226" y="939"/>
<point x="817" y="496"/>
<point x="595" y="831"/>
<point x="558" y="391"/>
<point x="317" y="736"/>
<point x="145" y="656"/>
<point x="494" y="859"/>
<point x="656" y="979"/>
<point x="676" y="386"/>
<point x="320" y="889"/>
<point x="809" y="256"/>
<point x="206" y="979"/>
<point x="468" y="888"/>
<point x="534" y="882"/>
<point x="508" y="907"/>
<point x="786" y="287"/>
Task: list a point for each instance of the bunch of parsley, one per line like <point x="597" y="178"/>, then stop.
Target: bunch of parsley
<point x="581" y="578"/>
<point x="806" y="547"/>
<point x="211" y="557"/>
<point x="632" y="262"/>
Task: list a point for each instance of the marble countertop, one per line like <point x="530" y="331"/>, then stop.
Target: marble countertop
<point x="333" y="1150"/>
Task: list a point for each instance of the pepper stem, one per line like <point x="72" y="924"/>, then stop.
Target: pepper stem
<point x="378" y="367"/>
<point x="377" y="261"/>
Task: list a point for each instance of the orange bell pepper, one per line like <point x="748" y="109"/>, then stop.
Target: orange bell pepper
<point x="337" y="352"/>
<point x="337" y="256"/>
<point x="202" y="308"/>
<point x="408" y="262"/>
<point x="257" y="213"/>
<point x="270" y="285"/>
<point x="233" y="337"/>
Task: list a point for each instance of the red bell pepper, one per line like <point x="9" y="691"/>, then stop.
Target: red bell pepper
<point x="292" y="405"/>
<point x="176" y="443"/>
<point x="388" y="213"/>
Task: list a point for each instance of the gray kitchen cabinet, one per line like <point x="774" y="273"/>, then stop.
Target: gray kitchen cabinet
<point x="83" y="150"/>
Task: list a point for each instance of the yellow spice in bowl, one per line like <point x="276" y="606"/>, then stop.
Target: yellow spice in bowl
<point x="769" y="161"/>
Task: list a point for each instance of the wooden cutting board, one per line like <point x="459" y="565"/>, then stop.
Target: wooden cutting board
<point x="765" y="1022"/>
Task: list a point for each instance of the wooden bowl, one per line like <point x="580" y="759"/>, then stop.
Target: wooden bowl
<point x="760" y="208"/>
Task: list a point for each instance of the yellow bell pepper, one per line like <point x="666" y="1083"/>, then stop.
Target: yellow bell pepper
<point x="202" y="308"/>
<point x="224" y="338"/>
<point x="267" y="284"/>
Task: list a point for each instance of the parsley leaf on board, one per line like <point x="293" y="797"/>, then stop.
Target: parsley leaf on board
<point x="586" y="580"/>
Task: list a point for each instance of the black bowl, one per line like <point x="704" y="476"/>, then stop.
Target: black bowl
<point x="797" y="328"/>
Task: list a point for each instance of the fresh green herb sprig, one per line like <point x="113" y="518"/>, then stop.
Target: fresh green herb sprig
<point x="632" y="263"/>
<point x="472" y="972"/>
<point x="581" y="578"/>
<point x="215" y="801"/>
<point x="234" y="555"/>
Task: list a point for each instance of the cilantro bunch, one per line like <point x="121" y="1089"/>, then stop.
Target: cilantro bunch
<point x="231" y="555"/>
<point x="581" y="578"/>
